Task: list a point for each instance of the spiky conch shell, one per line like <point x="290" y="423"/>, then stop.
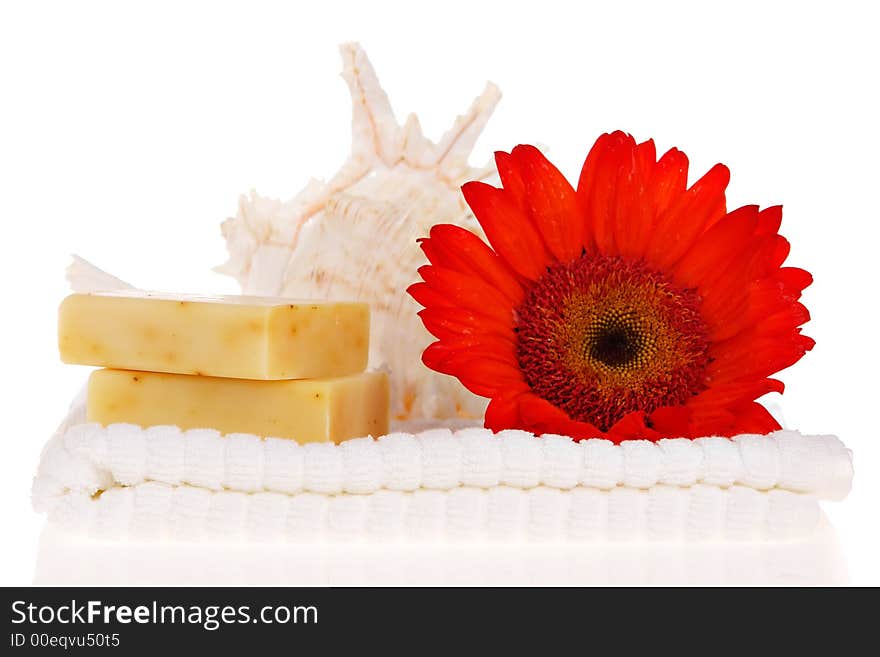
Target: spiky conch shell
<point x="355" y="236"/>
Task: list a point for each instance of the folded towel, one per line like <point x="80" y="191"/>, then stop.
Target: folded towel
<point x="158" y="511"/>
<point x="125" y="481"/>
<point x="85" y="457"/>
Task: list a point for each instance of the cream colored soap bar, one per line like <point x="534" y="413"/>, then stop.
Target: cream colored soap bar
<point x="307" y="410"/>
<point x="242" y="337"/>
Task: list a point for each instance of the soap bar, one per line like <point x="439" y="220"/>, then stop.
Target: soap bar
<point x="231" y="336"/>
<point x="306" y="410"/>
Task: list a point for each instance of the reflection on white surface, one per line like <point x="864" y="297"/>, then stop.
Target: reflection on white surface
<point x="64" y="559"/>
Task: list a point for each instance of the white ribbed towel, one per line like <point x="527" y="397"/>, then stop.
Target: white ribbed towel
<point x="89" y="457"/>
<point x="467" y="483"/>
<point x="157" y="511"/>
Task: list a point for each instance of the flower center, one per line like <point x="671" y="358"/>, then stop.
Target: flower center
<point x="615" y="341"/>
<point x="600" y="337"/>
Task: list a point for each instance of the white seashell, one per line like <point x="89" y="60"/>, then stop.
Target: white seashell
<point x="84" y="277"/>
<point x="354" y="237"/>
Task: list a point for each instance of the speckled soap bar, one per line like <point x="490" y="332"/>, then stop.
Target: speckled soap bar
<point x="228" y="336"/>
<point x="309" y="410"/>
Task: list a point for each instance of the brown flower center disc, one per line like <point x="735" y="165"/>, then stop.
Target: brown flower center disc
<point x="600" y="337"/>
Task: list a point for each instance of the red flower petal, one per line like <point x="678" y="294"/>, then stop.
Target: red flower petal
<point x="635" y="213"/>
<point x="753" y="355"/>
<point x="508" y="229"/>
<point x="672" y="421"/>
<point x="511" y="180"/>
<point x="632" y="426"/>
<point x="541" y="417"/>
<point x="502" y="412"/>
<point x="793" y="280"/>
<point x="551" y="202"/>
<point x="453" y="247"/>
<point x="468" y="292"/>
<point x="751" y="417"/>
<point x="597" y="186"/>
<point x="717" y="248"/>
<point x="669" y="180"/>
<point x="763" y="304"/>
<point x="688" y="217"/>
<point x="771" y="220"/>
<point x="711" y="421"/>
<point x="487" y="376"/>
<point x="452" y="323"/>
<point x="429" y="297"/>
<point x="734" y="393"/>
<point x="454" y="357"/>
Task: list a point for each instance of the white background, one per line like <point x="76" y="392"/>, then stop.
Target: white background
<point x="127" y="133"/>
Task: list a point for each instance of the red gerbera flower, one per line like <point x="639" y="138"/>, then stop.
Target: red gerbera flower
<point x="632" y="307"/>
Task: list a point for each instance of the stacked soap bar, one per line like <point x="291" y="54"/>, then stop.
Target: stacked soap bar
<point x="244" y="364"/>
